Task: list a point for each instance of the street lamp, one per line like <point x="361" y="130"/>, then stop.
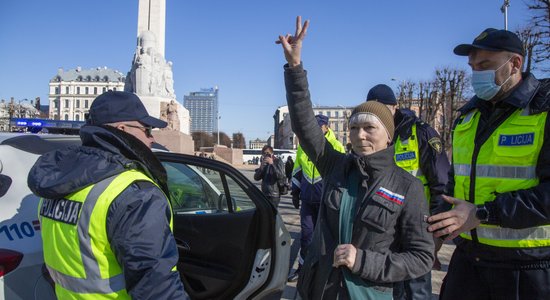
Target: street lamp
<point x="504" y="10"/>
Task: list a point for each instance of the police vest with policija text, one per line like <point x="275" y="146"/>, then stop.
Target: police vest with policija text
<point x="407" y="157"/>
<point x="304" y="164"/>
<point x="505" y="162"/>
<point x="77" y="252"/>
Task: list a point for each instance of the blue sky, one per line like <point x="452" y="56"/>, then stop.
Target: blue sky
<point x="351" y="46"/>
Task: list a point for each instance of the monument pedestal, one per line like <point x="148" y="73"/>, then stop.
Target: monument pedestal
<point x="175" y="141"/>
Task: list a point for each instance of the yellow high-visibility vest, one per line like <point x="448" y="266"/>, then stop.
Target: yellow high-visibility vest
<point x="77" y="251"/>
<point x="506" y="162"/>
<point x="407" y="157"/>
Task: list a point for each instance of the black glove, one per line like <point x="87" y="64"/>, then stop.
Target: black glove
<point x="296" y="200"/>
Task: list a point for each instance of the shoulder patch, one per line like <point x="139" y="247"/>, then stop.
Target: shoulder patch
<point x="436" y="144"/>
<point x="391" y="196"/>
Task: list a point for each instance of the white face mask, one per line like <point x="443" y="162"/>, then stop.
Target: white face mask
<point x="484" y="83"/>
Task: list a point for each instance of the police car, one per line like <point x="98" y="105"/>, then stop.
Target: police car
<point x="232" y="242"/>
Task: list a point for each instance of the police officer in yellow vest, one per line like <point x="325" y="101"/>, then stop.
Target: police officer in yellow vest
<point x="418" y="150"/>
<point x="307" y="189"/>
<point x="105" y="216"/>
<point x="500" y="178"/>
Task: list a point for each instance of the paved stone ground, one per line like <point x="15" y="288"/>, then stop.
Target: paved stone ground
<point x="291" y="218"/>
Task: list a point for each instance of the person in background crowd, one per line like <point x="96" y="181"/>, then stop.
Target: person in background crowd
<point x="271" y="172"/>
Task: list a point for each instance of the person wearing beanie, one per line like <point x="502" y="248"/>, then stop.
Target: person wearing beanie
<point x="307" y="188"/>
<point x="500" y="180"/>
<point x="419" y="151"/>
<point x="371" y="230"/>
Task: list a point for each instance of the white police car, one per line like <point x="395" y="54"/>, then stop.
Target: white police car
<point x="232" y="242"/>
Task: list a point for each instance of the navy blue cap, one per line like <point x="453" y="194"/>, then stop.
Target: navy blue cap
<point x="383" y="94"/>
<point x="321" y="120"/>
<point x="493" y="40"/>
<point x="111" y="107"/>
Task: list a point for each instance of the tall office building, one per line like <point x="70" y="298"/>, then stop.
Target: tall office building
<point x="203" y="109"/>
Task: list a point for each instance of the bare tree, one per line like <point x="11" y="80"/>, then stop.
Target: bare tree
<point x="531" y="42"/>
<point x="224" y="138"/>
<point x="541" y="23"/>
<point x="405" y="94"/>
<point x="202" y="139"/>
<point x="239" y="141"/>
<point x="450" y="95"/>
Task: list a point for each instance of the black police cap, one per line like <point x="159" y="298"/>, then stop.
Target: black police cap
<point x="493" y="40"/>
<point x="116" y="106"/>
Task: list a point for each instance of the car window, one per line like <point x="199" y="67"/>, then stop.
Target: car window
<point x="201" y="190"/>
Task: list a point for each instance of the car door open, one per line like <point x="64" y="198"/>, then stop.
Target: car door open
<point x="224" y="227"/>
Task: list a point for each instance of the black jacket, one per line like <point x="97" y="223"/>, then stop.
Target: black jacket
<point x="391" y="239"/>
<point x="271" y="175"/>
<point x="522" y="208"/>
<point x="433" y="158"/>
<point x="138" y="219"/>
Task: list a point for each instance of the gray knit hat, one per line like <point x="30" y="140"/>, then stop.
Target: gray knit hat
<point x="379" y="110"/>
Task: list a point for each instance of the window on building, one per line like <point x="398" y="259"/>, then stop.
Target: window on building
<point x="114" y="89"/>
<point x="56" y="90"/>
<point x="77" y="117"/>
<point x="95" y="90"/>
<point x="336" y="127"/>
<point x="336" y="114"/>
<point x="77" y="104"/>
<point x="66" y="117"/>
<point x="86" y="90"/>
<point x="66" y="103"/>
<point x="66" y="90"/>
<point x="104" y="89"/>
<point x="78" y="90"/>
<point x="85" y="103"/>
<point x="328" y="113"/>
<point x="56" y="103"/>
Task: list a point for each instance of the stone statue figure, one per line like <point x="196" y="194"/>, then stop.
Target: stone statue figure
<point x="172" y="115"/>
<point x="151" y="74"/>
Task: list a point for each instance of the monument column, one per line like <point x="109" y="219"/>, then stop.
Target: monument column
<point x="151" y="17"/>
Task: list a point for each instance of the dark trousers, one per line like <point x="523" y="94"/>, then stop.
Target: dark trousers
<point x="467" y="280"/>
<point x="274" y="200"/>
<point x="415" y="289"/>
<point x="308" y="219"/>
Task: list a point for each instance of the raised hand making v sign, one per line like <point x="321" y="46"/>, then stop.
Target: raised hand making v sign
<point x="292" y="45"/>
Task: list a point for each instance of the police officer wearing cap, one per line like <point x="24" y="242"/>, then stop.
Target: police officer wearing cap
<point x="307" y="189"/>
<point x="418" y="150"/>
<point x="104" y="212"/>
<point x="500" y="178"/>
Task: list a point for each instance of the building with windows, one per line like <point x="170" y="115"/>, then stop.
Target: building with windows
<point x="203" y="110"/>
<point x="338" y="122"/>
<point x="72" y="91"/>
<point x="256" y="144"/>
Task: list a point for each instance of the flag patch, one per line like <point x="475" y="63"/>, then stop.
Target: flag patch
<point x="389" y="195"/>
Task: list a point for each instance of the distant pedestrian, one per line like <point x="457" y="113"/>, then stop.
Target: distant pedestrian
<point x="271" y="172"/>
<point x="289" y="166"/>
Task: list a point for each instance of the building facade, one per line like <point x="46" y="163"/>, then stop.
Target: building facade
<point x="203" y="110"/>
<point x="338" y="121"/>
<point x="16" y="109"/>
<point x="256" y="144"/>
<point x="72" y="91"/>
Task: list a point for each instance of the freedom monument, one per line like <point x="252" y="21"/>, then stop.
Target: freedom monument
<point x="152" y="80"/>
